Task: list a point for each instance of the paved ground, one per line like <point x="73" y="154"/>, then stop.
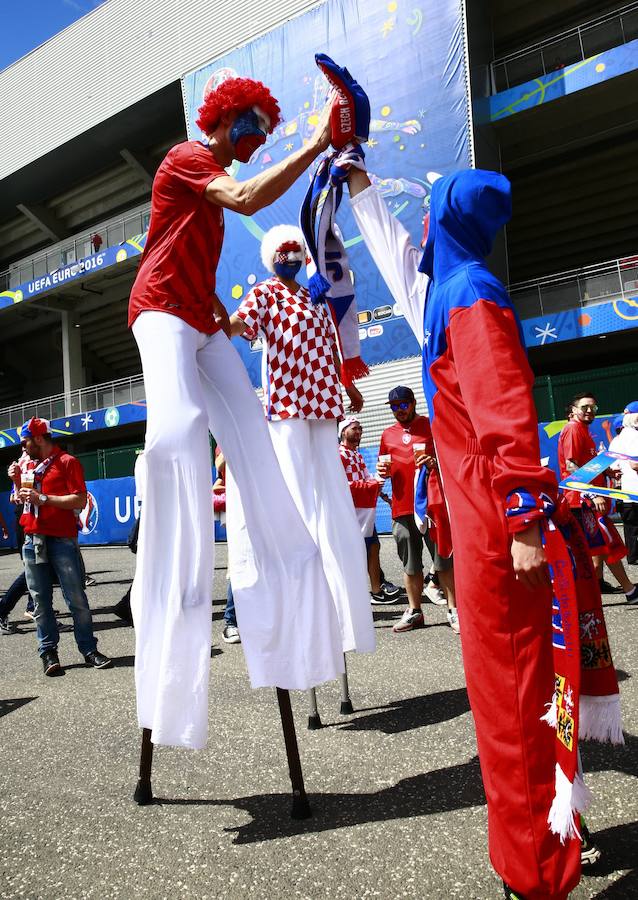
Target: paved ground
<point x="395" y="788"/>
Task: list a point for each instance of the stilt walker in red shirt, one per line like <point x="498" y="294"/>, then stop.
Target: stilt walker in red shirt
<point x="195" y="383"/>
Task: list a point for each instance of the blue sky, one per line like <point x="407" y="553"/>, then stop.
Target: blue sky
<point x="25" y="24"/>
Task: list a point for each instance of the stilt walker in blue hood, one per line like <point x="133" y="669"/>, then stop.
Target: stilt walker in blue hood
<point x="479" y="390"/>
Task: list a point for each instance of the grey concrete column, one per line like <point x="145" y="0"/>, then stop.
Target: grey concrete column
<point x="72" y="370"/>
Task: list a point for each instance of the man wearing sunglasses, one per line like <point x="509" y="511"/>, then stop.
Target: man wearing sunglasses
<point x="398" y="460"/>
<point x="575" y="448"/>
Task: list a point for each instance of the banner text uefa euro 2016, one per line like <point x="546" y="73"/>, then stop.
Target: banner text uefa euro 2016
<point x="410" y="58"/>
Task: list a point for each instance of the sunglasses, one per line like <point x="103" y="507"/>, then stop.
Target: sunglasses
<point x="587" y="406"/>
<point x="405" y="404"/>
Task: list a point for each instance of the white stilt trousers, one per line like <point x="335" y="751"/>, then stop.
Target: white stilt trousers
<point x="308" y="454"/>
<point x="289" y="628"/>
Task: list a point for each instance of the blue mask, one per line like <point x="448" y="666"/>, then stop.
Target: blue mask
<point x="246" y="135"/>
<point x="287" y="270"/>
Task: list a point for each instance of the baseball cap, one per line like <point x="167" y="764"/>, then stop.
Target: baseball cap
<point x="347" y="422"/>
<point x="617" y="423"/>
<point x="632" y="407"/>
<point x="400" y="392"/>
<point x="34" y="427"/>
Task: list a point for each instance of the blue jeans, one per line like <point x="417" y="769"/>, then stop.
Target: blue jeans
<point x="64" y="559"/>
<point x="229" y="611"/>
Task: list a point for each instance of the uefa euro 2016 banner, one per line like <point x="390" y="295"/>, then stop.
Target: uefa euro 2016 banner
<point x="411" y="60"/>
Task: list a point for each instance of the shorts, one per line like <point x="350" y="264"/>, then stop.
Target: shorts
<point x="410" y="542"/>
<point x="372" y="540"/>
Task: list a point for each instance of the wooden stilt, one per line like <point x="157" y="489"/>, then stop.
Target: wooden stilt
<point x="143" y="792"/>
<point x="300" y="806"/>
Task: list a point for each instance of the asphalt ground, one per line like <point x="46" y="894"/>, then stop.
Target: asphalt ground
<point x="398" y="807"/>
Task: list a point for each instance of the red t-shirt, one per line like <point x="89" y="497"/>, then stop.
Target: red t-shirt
<point x="398" y="441"/>
<point x="178" y="267"/>
<point x="64" y="476"/>
<point x="576" y="443"/>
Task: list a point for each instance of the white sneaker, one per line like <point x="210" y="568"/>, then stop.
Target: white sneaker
<point x="230" y="635"/>
<point x="453" y="621"/>
<point x="435" y="594"/>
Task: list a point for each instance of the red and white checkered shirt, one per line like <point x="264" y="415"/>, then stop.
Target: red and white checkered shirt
<point x="353" y="464"/>
<point x="300" y="378"/>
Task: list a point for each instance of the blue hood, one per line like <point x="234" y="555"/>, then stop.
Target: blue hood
<point x="467" y="209"/>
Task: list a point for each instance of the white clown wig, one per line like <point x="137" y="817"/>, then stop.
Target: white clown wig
<point x="287" y="239"/>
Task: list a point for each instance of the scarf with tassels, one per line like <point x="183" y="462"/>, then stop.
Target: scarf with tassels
<point x="328" y="271"/>
<point x="585" y="702"/>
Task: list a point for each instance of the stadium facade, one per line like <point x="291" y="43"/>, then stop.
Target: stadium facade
<point x="544" y="92"/>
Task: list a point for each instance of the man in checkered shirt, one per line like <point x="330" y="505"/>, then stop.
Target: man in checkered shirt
<point x="302" y="399"/>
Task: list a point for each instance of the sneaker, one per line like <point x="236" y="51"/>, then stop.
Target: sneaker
<point x="89" y="581"/>
<point x="230" y="634"/>
<point x="7" y="627"/>
<point x="29" y="614"/>
<point x="50" y="662"/>
<point x="435" y="594"/>
<point x="97" y="660"/>
<point x="632" y="596"/>
<point x="411" y="618"/>
<point x="390" y="589"/>
<point x="607" y="588"/>
<point x="381" y="598"/>
<point x="453" y="621"/>
<point x="589" y="853"/>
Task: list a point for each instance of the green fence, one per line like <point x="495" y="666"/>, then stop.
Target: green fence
<point x="114" y="462"/>
<point x="613" y="387"/>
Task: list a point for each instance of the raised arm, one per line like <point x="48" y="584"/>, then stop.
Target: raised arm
<point x="248" y="197"/>
<point x="391" y="248"/>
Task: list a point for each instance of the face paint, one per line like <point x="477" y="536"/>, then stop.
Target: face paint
<point x="287" y="270"/>
<point x="248" y="132"/>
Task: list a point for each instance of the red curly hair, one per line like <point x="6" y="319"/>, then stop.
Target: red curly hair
<point x="236" y="95"/>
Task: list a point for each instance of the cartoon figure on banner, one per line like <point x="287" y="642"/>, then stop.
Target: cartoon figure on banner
<point x="88" y="518"/>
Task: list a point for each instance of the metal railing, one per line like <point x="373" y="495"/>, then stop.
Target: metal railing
<point x="578" y="288"/>
<point x="84" y="400"/>
<point x="70" y="251"/>
<point x="565" y="49"/>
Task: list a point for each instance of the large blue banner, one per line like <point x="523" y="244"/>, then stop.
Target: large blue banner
<point x="410" y="58"/>
<point x="81" y="268"/>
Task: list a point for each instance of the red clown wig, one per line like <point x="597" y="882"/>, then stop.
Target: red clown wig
<point x="236" y="95"/>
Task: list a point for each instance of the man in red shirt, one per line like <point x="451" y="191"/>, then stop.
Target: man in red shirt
<point x="398" y="443"/>
<point x="195" y="383"/>
<point x="575" y="448"/>
<point x="51" y="497"/>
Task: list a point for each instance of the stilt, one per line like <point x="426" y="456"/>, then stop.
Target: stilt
<point x="143" y="792"/>
<point x="300" y="806"/>
<point x="346" y="702"/>
<point x="314" y="719"/>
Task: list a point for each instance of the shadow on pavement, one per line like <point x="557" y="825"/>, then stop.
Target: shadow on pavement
<point x="610" y="758"/>
<point x="618" y="846"/>
<point x="10" y="705"/>
<point x="456" y="787"/>
<point x="413" y="712"/>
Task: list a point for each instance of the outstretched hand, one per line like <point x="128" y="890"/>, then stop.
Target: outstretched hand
<point x="322" y="135"/>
